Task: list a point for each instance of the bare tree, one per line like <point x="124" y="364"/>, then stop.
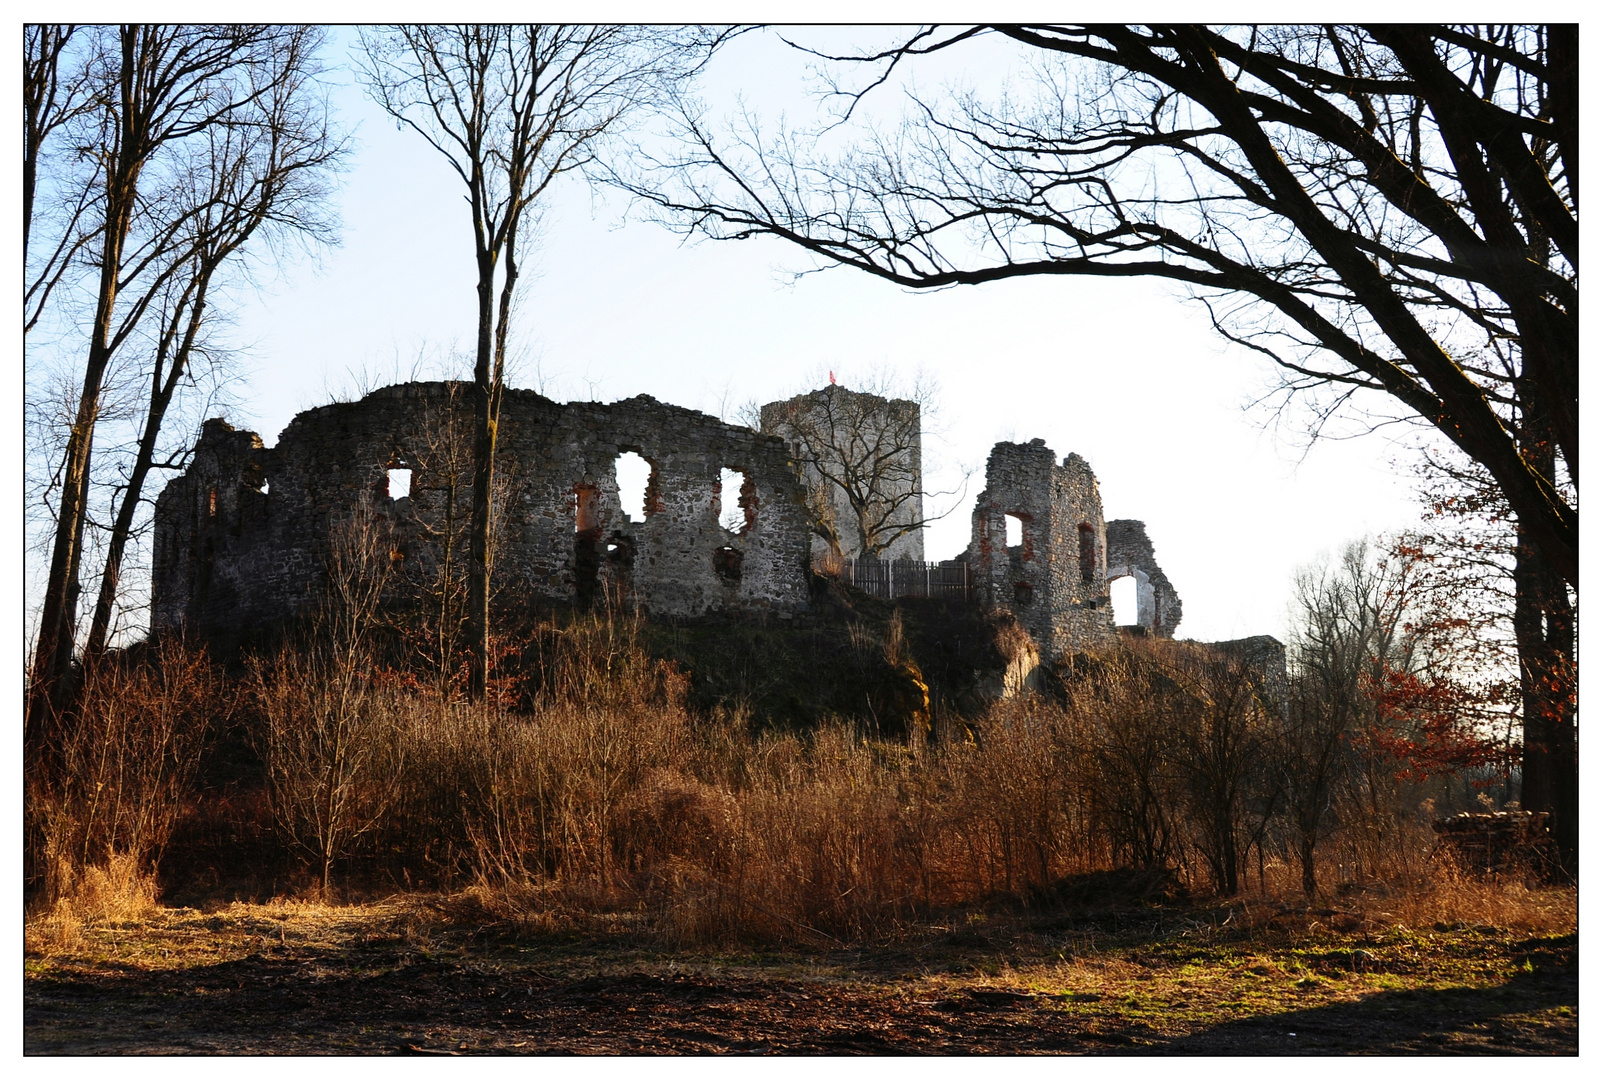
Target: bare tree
<point x="57" y="89"/>
<point x="859" y="456"/>
<point x="1220" y="739"/>
<point x="1348" y="625"/>
<point x="330" y="743"/>
<point x="1389" y="212"/>
<point x="512" y="109"/>
<point x="264" y="175"/>
<point x="163" y="95"/>
<point x="433" y="611"/>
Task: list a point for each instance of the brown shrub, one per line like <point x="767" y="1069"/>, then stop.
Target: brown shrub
<point x="101" y="810"/>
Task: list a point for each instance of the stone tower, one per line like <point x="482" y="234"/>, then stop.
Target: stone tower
<point x="861" y="461"/>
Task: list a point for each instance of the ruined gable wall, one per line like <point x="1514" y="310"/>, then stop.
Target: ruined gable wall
<point x="1081" y="605"/>
<point x="260" y="558"/>
<point x="214" y="509"/>
<point x="1130" y="553"/>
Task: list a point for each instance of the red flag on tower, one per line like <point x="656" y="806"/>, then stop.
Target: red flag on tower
<point x="831" y="378"/>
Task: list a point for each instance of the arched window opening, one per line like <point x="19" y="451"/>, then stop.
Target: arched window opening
<point x="1014" y="531"/>
<point x="1022" y="593"/>
<point x="1125" y="601"/>
<point x="735" y="503"/>
<point x="1087" y="552"/>
<point x="635" y="479"/>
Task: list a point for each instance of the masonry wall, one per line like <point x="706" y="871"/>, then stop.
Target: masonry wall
<point x="1055" y="580"/>
<point x="1130" y="554"/>
<point x="877" y="441"/>
<point x="242" y="537"/>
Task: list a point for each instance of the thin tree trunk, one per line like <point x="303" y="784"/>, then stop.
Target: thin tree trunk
<point x="161" y="392"/>
<point x="50" y="683"/>
<point x="483" y="481"/>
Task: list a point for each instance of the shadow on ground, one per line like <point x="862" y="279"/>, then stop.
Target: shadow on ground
<point x="380" y="1001"/>
<point x="1457" y="1019"/>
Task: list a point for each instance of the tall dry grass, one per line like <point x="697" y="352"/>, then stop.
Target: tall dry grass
<point x="604" y="794"/>
<point x="595" y="793"/>
<point x="102" y="805"/>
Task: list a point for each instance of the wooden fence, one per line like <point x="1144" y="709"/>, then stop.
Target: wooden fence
<point x="888" y="579"/>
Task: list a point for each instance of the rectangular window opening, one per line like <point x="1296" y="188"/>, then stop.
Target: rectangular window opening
<point x="635" y="480"/>
<point x="1014" y="531"/>
<point x="1125" y="601"/>
<point x="735" y="504"/>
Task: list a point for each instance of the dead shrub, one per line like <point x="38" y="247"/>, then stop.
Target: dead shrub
<point x="328" y="740"/>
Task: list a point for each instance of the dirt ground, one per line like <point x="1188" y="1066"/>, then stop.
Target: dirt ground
<point x="417" y="976"/>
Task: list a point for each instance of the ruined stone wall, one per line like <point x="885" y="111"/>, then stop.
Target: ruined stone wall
<point x="1130" y="554"/>
<point x="1264" y="656"/>
<point x="867" y="441"/>
<point x="1054" y="580"/>
<point x="242" y="537"/>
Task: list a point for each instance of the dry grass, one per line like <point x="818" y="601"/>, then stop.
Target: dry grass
<point x="1451" y="900"/>
<point x="120" y="891"/>
<point x="102" y="801"/>
<point x="598" y="799"/>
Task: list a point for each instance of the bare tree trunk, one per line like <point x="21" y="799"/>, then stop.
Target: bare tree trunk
<point x="1543" y="627"/>
<point x="161" y="392"/>
<point x="484" y="431"/>
<point x="169" y="89"/>
<point x="1543" y="624"/>
<point x="52" y="665"/>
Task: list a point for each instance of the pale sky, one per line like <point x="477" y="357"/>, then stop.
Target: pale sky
<point x="1121" y="372"/>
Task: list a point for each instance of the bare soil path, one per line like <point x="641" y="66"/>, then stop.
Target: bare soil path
<point x="407" y="977"/>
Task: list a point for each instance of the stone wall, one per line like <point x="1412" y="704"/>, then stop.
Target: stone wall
<point x="842" y="438"/>
<point x="1265" y="656"/>
<point x="242" y="536"/>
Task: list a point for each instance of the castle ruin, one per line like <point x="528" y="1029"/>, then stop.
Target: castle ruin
<point x="1055" y="577"/>
<point x="242" y="537"/>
